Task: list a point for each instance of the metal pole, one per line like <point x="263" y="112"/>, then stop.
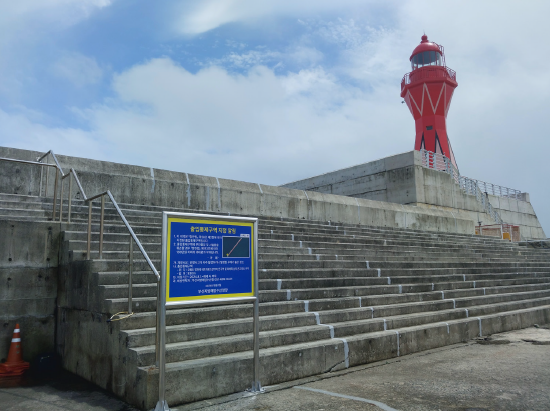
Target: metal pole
<point x="61" y="202"/>
<point x="55" y="193"/>
<point x="162" y="405"/>
<point x="101" y="227"/>
<point x="157" y="334"/>
<point x="41" y="175"/>
<point x="70" y="199"/>
<point x="256" y="385"/>
<point x="47" y="178"/>
<point x="130" y="271"/>
<point x="89" y="229"/>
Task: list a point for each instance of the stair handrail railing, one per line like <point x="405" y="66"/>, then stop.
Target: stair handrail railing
<point x="56" y="164"/>
<point x="89" y="201"/>
<point x="541" y="241"/>
<point x="133" y="237"/>
<point x="441" y="162"/>
<point x="72" y="173"/>
<point x="101" y="226"/>
<point x="57" y="171"/>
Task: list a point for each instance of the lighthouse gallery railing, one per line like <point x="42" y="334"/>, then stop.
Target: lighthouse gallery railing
<point x="428" y="72"/>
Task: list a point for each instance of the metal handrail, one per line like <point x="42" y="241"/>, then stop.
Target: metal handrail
<point x="443" y="163"/>
<point x="89" y="200"/>
<point x="57" y="171"/>
<point x="133" y="238"/>
<point x="54" y="159"/>
<point x="440" y="162"/>
<point x="75" y="176"/>
<point x="541" y="242"/>
<point x="131" y="231"/>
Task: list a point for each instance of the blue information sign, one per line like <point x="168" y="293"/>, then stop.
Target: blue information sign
<point x="209" y="259"/>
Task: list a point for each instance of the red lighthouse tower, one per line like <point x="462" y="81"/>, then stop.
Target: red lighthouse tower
<point x="428" y="90"/>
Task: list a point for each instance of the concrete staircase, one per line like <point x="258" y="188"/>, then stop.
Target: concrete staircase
<point x="332" y="296"/>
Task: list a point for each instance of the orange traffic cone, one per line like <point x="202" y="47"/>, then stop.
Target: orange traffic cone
<point x="15" y="364"/>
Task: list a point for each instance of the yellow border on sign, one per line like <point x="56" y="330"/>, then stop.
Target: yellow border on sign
<point x="207" y="221"/>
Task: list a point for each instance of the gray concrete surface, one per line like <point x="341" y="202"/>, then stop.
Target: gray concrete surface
<point x="402" y="179"/>
<point x="147" y="186"/>
<point x="390" y="179"/>
<point x="60" y="392"/>
<point x="28" y="284"/>
<point x="509" y="371"/>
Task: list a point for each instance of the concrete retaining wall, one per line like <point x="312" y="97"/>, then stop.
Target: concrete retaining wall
<point x="390" y="179"/>
<point x="28" y="274"/>
<point x="142" y="185"/>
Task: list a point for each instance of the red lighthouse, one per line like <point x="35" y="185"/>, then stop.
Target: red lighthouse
<point x="428" y="90"/>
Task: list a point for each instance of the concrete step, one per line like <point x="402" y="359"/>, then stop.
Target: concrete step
<point x="30" y="213"/>
<point x="149" y="288"/>
<point x="192" y="341"/>
<point x="292" y="284"/>
<point x="302" y="270"/>
<point x="360" y="291"/>
<point x="304" y="359"/>
<point x="331" y="295"/>
<point x="340" y="298"/>
<point x="345" y="309"/>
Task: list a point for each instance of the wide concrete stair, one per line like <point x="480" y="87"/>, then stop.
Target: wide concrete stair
<point x="332" y="296"/>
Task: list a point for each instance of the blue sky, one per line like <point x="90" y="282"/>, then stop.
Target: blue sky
<point x="273" y="91"/>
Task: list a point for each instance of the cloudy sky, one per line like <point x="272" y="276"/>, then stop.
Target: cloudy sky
<point x="272" y="91"/>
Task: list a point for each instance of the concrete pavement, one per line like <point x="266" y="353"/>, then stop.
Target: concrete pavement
<point x="510" y="371"/>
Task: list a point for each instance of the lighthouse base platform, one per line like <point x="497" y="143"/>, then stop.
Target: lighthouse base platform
<point x="403" y="179"/>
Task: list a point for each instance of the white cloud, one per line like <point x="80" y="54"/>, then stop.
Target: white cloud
<point x="16" y="17"/>
<point x="295" y="54"/>
<point x="309" y="80"/>
<point x="326" y="111"/>
<point x="205" y="15"/>
<point x="80" y="70"/>
<point x="249" y="58"/>
<point x="26" y="25"/>
<point x="17" y="130"/>
<point x="256" y="127"/>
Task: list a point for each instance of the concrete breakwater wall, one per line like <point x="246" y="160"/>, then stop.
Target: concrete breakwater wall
<point x="148" y="186"/>
<point x="402" y="179"/>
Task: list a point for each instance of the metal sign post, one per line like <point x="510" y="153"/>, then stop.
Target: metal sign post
<point x="207" y="260"/>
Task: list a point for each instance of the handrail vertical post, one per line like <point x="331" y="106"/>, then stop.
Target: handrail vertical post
<point x="89" y="229"/>
<point x="157" y="336"/>
<point x="47" y="178"/>
<point x="130" y="272"/>
<point x="55" y="193"/>
<point x="40" y="186"/>
<point x="101" y="227"/>
<point x="61" y="201"/>
<point x="70" y="191"/>
<point x="161" y="324"/>
<point x="256" y="385"/>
